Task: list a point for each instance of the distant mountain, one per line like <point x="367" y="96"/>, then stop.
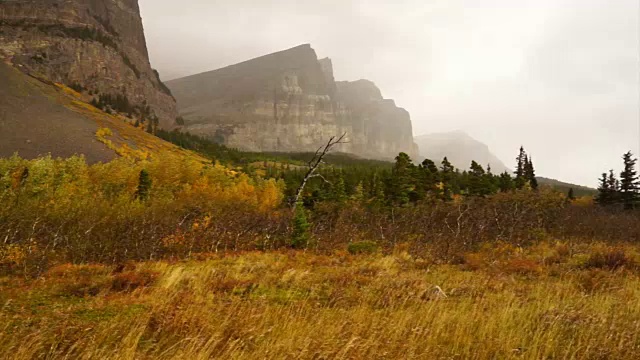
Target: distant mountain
<point x="460" y="149"/>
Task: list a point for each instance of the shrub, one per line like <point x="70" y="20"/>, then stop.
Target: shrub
<point x="362" y="247"/>
<point x="608" y="258"/>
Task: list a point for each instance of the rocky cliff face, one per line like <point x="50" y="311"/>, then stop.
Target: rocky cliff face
<point x="289" y="101"/>
<point x="94" y="45"/>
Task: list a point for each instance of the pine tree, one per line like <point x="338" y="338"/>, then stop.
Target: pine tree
<point x="377" y="190"/>
<point x="614" y="188"/>
<point x="430" y="166"/>
<point x="505" y="182"/>
<point x="144" y="185"/>
<point x="447" y="174"/>
<point x="429" y="177"/>
<point x="520" y="180"/>
<point x="339" y="190"/>
<point x="530" y="173"/>
<point x="300" y="235"/>
<point x="603" y="190"/>
<point x="571" y="196"/>
<point x="478" y="184"/>
<point x="401" y="184"/>
<point x="629" y="184"/>
<point x="358" y="192"/>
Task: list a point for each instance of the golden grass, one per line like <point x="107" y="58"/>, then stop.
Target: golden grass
<point x="537" y="303"/>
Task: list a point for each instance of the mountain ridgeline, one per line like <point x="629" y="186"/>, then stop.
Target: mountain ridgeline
<point x="289" y="102"/>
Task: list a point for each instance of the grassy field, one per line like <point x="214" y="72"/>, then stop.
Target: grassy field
<point x="552" y="300"/>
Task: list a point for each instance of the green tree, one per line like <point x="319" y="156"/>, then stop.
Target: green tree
<point x="358" y="192"/>
<point x="479" y="184"/>
<point x="614" y="188"/>
<point x="430" y="166"/>
<point x="144" y="185"/>
<point x="401" y="184"/>
<point x="521" y="160"/>
<point x="339" y="190"/>
<point x="629" y="182"/>
<point x="447" y="175"/>
<point x="505" y="182"/>
<point x="603" y="197"/>
<point x="571" y="196"/>
<point x="300" y="235"/>
<point x="530" y="173"/>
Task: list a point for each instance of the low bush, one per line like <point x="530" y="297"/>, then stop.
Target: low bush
<point x="362" y="247"/>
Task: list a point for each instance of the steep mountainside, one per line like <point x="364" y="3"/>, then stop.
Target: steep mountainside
<point x="34" y="121"/>
<point x="96" y="46"/>
<point x="289" y="101"/>
<point x="38" y="118"/>
<point x="460" y="149"/>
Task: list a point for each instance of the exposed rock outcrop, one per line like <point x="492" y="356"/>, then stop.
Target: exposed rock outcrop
<point x="95" y="45"/>
<point x="289" y="101"/>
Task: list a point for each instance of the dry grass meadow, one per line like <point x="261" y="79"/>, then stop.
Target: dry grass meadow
<point x="548" y="301"/>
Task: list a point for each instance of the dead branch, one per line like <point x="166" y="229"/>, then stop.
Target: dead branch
<point x="314" y="164"/>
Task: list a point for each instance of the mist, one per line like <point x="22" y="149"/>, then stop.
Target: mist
<point x="557" y="76"/>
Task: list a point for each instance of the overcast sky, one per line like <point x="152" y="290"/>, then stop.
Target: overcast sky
<point x="560" y="77"/>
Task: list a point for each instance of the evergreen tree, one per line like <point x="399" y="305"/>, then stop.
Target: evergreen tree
<point x="614" y="188"/>
<point x="339" y="190"/>
<point x="300" y="235"/>
<point x="530" y="173"/>
<point x="571" y="196"/>
<point x="430" y="166"/>
<point x="401" y="184"/>
<point x="428" y="178"/>
<point x="629" y="184"/>
<point x="478" y="181"/>
<point x="358" y="192"/>
<point x="377" y="190"/>
<point x="603" y="197"/>
<point x="144" y="185"/>
<point x="446" y="178"/>
<point x="505" y="182"/>
<point x="520" y="180"/>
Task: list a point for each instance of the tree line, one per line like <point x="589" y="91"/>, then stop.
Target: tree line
<point x="406" y="183"/>
<point x="620" y="191"/>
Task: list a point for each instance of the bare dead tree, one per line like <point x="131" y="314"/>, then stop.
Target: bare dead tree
<point x="314" y="164"/>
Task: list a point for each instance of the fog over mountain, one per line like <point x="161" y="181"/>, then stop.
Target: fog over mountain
<point x="460" y="149"/>
<point x="557" y="76"/>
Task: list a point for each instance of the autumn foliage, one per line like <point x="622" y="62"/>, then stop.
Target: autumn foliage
<point x="54" y="210"/>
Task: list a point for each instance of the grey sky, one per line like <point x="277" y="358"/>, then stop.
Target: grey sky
<point x="558" y="76"/>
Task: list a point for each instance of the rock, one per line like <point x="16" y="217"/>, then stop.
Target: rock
<point x="98" y="45"/>
<point x="289" y="102"/>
